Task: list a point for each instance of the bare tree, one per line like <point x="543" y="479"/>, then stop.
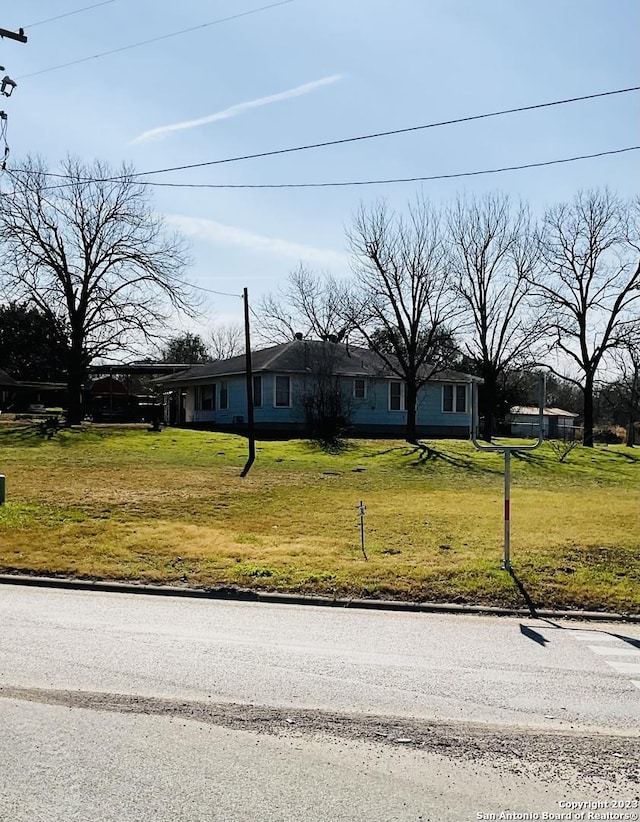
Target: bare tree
<point x="402" y="302"/>
<point x="90" y="252"/>
<point x="226" y="341"/>
<point x="623" y="394"/>
<point x="590" y="284"/>
<point x="493" y="257"/>
<point x="327" y="405"/>
<point x="309" y="304"/>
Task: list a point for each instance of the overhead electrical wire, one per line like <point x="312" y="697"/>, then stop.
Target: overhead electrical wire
<point x="157" y="39"/>
<point x="345" y="183"/>
<point x="391" y="132"/>
<point x="375" y="135"/>
<point x="342" y="141"/>
<point x="68" y="14"/>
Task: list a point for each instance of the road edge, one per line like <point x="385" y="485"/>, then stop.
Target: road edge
<point x="250" y="595"/>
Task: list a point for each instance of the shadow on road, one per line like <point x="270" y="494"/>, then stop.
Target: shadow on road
<point x="534" y="635"/>
<point x="630" y="640"/>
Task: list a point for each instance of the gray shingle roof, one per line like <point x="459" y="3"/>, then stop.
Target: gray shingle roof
<point x="300" y="357"/>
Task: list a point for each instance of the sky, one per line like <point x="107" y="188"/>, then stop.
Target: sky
<point x="303" y="72"/>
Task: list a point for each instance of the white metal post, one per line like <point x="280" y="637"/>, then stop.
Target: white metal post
<point x="507" y="509"/>
<point x="507" y="450"/>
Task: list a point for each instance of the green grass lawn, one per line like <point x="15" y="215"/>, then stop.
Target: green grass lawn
<point x="128" y="504"/>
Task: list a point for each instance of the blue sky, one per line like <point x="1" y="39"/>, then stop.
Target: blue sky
<point x="306" y="72"/>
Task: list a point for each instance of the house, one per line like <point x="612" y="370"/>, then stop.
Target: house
<point x="7" y="388"/>
<point x="556" y="423"/>
<point x="213" y="395"/>
<point x="19" y="395"/>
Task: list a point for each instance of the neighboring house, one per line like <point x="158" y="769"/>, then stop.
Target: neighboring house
<point x="7" y="388"/>
<point x="213" y="395"/>
<point x="18" y="395"/>
<point x="556" y="423"/>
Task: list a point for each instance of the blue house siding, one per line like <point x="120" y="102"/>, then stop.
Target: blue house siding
<point x="443" y="407"/>
<point x="370" y="415"/>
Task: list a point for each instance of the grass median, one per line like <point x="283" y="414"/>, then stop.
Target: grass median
<point x="170" y="507"/>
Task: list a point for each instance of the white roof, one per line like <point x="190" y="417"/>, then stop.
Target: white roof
<point x="532" y="411"/>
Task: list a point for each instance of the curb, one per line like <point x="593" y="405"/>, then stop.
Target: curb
<point x="248" y="595"/>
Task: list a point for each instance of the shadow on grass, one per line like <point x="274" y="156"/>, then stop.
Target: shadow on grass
<point x="29" y="434"/>
<point x="389" y="450"/>
<point x="427" y="454"/>
<point x="524" y="593"/>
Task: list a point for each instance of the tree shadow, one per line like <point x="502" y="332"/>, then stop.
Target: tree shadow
<point x="389" y="450"/>
<point x="427" y="453"/>
<point x="30" y="432"/>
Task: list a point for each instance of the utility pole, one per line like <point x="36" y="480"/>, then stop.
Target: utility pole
<point x="7" y="86"/>
<point x="19" y="35"/>
<point x="251" y="435"/>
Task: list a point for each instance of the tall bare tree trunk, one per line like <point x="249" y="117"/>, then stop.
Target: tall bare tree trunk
<point x="587" y="437"/>
<point x="411" y="433"/>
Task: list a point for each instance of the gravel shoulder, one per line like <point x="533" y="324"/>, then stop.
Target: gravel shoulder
<point x="550" y="756"/>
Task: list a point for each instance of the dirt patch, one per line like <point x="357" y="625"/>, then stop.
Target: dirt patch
<point x="549" y="755"/>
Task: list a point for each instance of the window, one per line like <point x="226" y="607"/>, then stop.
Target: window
<point x="283" y="392"/>
<point x="257" y="392"/>
<point x="360" y="389"/>
<point x="454" y="399"/>
<point x="224" y="396"/>
<point x="206" y="397"/>
<point x="396" y="396"/>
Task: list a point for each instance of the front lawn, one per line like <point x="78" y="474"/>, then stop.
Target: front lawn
<point x="170" y="507"/>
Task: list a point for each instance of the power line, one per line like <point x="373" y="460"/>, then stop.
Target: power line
<point x="390" y="133"/>
<point x="68" y="14"/>
<point x="346" y="183"/>
<point x="395" y="179"/>
<point x="371" y="136"/>
<point x="211" y="291"/>
<point x="157" y="39"/>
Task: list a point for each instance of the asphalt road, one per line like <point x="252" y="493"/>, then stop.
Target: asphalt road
<point x="153" y="708"/>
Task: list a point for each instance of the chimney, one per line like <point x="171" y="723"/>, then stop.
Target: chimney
<point x="298" y="335"/>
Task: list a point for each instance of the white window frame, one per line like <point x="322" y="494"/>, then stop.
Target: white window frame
<point x="403" y="396"/>
<point x="277" y="377"/>
<point x="364" y="388"/>
<point x="454" y="386"/>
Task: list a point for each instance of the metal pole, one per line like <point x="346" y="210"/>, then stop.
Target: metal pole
<point x="2" y="489"/>
<point x="506" y="450"/>
<point x="362" y="510"/>
<point x="507" y="509"/>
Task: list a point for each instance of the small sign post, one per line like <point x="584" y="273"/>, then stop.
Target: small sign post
<point x="507" y="450"/>
<point x="362" y="510"/>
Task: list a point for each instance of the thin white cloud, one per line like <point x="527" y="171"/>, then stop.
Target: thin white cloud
<point x="239" y="108"/>
<point x="220" y="234"/>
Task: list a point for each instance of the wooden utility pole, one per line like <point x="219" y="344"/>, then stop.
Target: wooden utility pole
<point x="19" y="35"/>
<point x="8" y="83"/>
<point x="249" y="373"/>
